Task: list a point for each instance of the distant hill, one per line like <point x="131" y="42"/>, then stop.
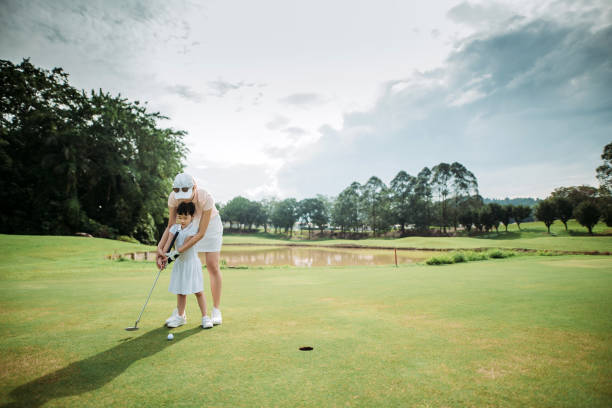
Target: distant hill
<point x="528" y="201"/>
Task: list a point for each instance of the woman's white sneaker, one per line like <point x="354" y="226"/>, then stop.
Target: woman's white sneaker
<point x="172" y="316"/>
<point x="206" y="322"/>
<point x="177" y="321"/>
<point x="216" y="316"/>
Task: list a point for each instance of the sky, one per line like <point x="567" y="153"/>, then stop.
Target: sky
<point x="293" y="99"/>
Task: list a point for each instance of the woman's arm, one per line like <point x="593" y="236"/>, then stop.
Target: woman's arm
<point x="201" y="231"/>
<point x="161" y="246"/>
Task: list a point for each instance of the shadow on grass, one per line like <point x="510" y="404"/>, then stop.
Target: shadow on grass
<point x="93" y="372"/>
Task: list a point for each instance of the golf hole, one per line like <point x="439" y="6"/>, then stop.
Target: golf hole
<point x="305" y="348"/>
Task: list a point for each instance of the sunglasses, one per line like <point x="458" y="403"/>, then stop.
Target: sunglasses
<point x="184" y="189"/>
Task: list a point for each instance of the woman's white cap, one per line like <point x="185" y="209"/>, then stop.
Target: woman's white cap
<point x="180" y="181"/>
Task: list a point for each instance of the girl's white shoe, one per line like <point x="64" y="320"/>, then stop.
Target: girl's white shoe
<point x="206" y="322"/>
<point x="177" y="321"/>
<point x="174" y="314"/>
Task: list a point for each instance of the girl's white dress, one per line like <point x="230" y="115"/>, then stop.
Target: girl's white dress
<point x="186" y="277"/>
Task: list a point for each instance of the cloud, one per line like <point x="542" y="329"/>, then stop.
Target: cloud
<point x="303" y="100"/>
<point x="277" y="123"/>
<point x="535" y="95"/>
<point x="114" y="30"/>
<point x="220" y="87"/>
<point x="185" y="92"/>
<point x="295" y="132"/>
<point x="223" y="181"/>
<point x="484" y="15"/>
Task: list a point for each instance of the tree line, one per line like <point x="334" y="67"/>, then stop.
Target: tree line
<point x="71" y="161"/>
<point x="586" y="204"/>
<point x="445" y="196"/>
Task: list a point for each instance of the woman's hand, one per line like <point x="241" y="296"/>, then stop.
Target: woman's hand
<point x="161" y="260"/>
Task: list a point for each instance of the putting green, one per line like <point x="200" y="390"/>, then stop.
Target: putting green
<point x="523" y="331"/>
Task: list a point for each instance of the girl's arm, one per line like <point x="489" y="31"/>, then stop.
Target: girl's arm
<point x="201" y="231"/>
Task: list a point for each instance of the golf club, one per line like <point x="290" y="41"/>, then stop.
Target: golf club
<point x="135" y="327"/>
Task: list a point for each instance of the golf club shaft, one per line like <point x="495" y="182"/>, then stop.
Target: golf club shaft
<point x="151" y="291"/>
<point x="154" y="283"/>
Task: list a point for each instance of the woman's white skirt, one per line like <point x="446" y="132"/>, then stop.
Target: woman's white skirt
<point x="213" y="237"/>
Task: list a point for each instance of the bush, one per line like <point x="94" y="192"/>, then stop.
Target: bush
<point x="439" y="260"/>
<point x="458" y="257"/>
<point x="499" y="254"/>
<point x="476" y="256"/>
<point x="468" y="256"/>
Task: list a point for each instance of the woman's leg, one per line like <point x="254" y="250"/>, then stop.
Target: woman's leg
<point x="212" y="265"/>
<point x="201" y="302"/>
<point x="181" y="301"/>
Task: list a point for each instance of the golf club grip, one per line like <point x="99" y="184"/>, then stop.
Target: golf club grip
<point x="172" y="244"/>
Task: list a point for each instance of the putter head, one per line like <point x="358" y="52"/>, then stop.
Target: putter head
<point x="132" y="328"/>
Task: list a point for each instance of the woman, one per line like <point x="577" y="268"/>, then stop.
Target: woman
<point x="208" y="239"/>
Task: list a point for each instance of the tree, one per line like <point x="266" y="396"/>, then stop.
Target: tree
<point x="320" y="216"/>
<point x="255" y="214"/>
<point x="606" y="214"/>
<point x="520" y="213"/>
<point x="421" y="204"/>
<point x="268" y="206"/>
<point x="312" y="211"/>
<point x="546" y="211"/>
<point x="565" y="209"/>
<point x="345" y="212"/>
<point x="486" y="219"/>
<point x="375" y="203"/>
<point x="285" y="214"/>
<point x="587" y="214"/>
<point x="440" y="179"/>
<point x="506" y="215"/>
<point x="103" y="165"/>
<point x="604" y="172"/>
<point x="402" y="190"/>
<point x="497" y="213"/>
<point x="236" y="211"/>
<point x="576" y="194"/>
<point x="464" y="182"/>
<point x="467" y="218"/>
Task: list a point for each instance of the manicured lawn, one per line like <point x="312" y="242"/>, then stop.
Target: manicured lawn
<point x="524" y="331"/>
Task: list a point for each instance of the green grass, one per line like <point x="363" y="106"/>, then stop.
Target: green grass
<point x="516" y="332"/>
<point x="532" y="236"/>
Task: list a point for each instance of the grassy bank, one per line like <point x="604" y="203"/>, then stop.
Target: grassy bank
<point x="523" y="331"/>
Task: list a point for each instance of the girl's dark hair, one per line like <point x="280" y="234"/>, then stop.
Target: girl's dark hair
<point x="185" y="208"/>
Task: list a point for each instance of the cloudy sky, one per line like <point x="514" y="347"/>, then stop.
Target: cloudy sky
<point x="292" y="99"/>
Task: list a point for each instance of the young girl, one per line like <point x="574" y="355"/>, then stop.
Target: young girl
<point x="186" y="275"/>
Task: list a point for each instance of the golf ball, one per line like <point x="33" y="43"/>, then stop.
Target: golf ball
<point x="170" y="336"/>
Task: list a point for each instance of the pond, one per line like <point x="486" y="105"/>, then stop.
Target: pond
<point x="307" y="256"/>
<point x="246" y="255"/>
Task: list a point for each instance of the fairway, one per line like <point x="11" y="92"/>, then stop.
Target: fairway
<point x="527" y="331"/>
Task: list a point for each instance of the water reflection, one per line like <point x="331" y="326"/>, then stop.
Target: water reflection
<point x="306" y="257"/>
